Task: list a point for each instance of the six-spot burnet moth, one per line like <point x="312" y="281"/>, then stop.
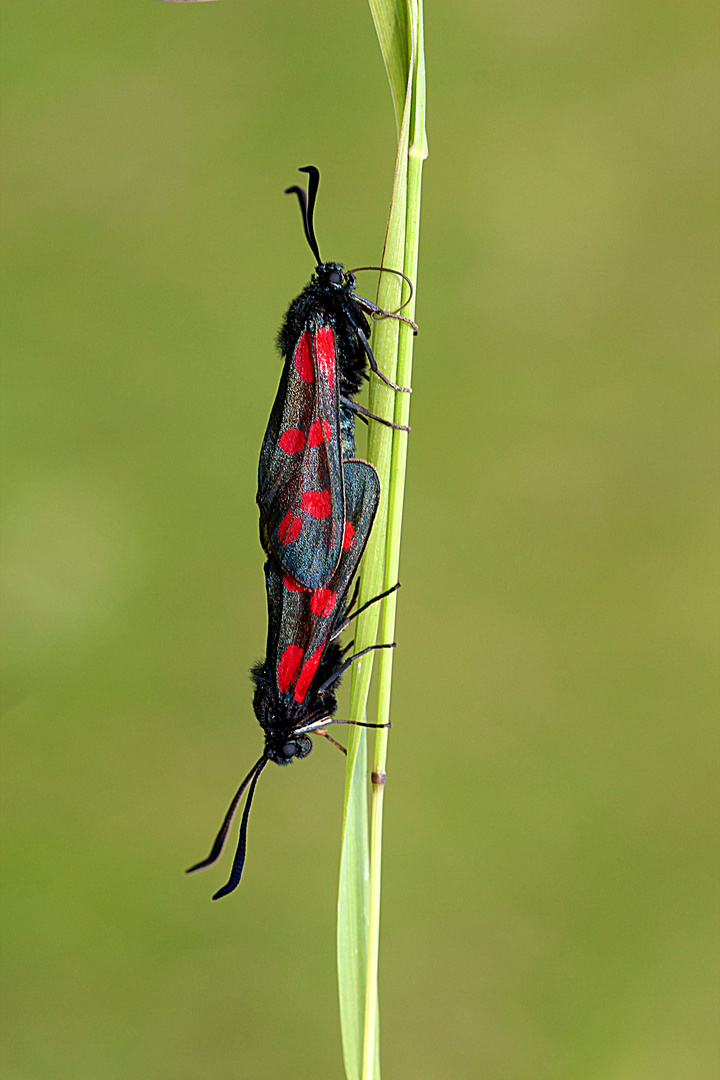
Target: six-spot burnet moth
<point x="317" y="507"/>
<point x="324" y="343"/>
<point x="295" y="684"/>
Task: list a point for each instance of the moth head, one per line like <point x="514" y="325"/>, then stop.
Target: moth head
<point x="331" y="274"/>
<point x="283" y="749"/>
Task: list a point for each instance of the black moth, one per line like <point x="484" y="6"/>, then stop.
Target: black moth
<point x="317" y="507"/>
<point x="295" y="684"/>
<point x="311" y="431"/>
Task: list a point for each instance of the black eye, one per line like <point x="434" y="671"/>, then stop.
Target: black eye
<point x="335" y="277"/>
<point x="289" y="749"/>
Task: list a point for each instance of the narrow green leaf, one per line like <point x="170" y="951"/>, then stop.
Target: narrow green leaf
<point x="353" y="904"/>
<point x="391" y="26"/>
<point x="399" y="29"/>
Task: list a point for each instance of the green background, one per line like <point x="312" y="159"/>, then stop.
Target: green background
<point x="549" y="884"/>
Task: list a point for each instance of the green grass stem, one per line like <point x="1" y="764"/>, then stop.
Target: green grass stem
<point x="399" y="28"/>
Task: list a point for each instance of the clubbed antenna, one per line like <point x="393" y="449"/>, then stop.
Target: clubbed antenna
<point x="239" y="861"/>
<point x="227" y="821"/>
<point x="307" y="206"/>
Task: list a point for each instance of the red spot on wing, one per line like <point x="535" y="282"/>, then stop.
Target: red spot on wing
<point x="325" y="351"/>
<point x="322" y="602"/>
<point x="320" y="432"/>
<point x="303" y="362"/>
<point x="317" y="503"/>
<point x="292" y="440"/>
<point x="289" y="528"/>
<point x="287" y="668"/>
<point x="292" y="585"/>
<point x="348" y="536"/>
<point x="308" y="673"/>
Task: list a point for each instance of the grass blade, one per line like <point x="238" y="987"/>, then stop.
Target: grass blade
<point x="400" y="32"/>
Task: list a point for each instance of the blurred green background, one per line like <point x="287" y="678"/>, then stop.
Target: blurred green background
<point x="550" y="895"/>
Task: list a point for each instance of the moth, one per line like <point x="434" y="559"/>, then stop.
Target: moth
<point x="295" y="685"/>
<point x="324" y="341"/>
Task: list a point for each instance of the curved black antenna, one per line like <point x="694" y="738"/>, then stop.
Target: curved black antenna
<point x="387" y="270"/>
<point x="239" y="860"/>
<point x="307" y="206"/>
<point x="227" y="821"/>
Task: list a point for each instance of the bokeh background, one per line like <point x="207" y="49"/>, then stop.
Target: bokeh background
<point x="550" y="889"/>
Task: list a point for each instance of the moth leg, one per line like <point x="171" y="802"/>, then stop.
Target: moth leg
<point x="353" y="599"/>
<point x="336" y="674"/>
<point x="323" y="732"/>
<point x="349" y="618"/>
<point x="373" y="364"/>
<point x="380" y="313"/>
<point x="362" y="411"/>
<point x="320" y="724"/>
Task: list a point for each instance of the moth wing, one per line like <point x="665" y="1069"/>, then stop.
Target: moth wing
<point x="300" y="478"/>
<point x="302" y="621"/>
<point x="362" y="496"/>
<point x="321" y="610"/>
<point x="288" y="627"/>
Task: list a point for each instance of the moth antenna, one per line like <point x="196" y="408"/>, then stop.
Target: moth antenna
<point x="227" y="821"/>
<point x="239" y="860"/>
<point x="307" y="206"/>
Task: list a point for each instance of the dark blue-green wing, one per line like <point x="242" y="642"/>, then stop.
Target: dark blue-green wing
<point x="301" y="621"/>
<point x="300" y="478"/>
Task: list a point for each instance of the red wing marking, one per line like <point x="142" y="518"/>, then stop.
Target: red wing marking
<point x="308" y="672"/>
<point x="348" y="536"/>
<point x="303" y="362"/>
<point x="316" y="503"/>
<point x="289" y="528"/>
<point x="325" y="352"/>
<point x="292" y="585"/>
<point x="301" y="479"/>
<point x="287" y="668"/>
<point x="323" y="602"/>
<point x="292" y="441"/>
<point x="320" y="432"/>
